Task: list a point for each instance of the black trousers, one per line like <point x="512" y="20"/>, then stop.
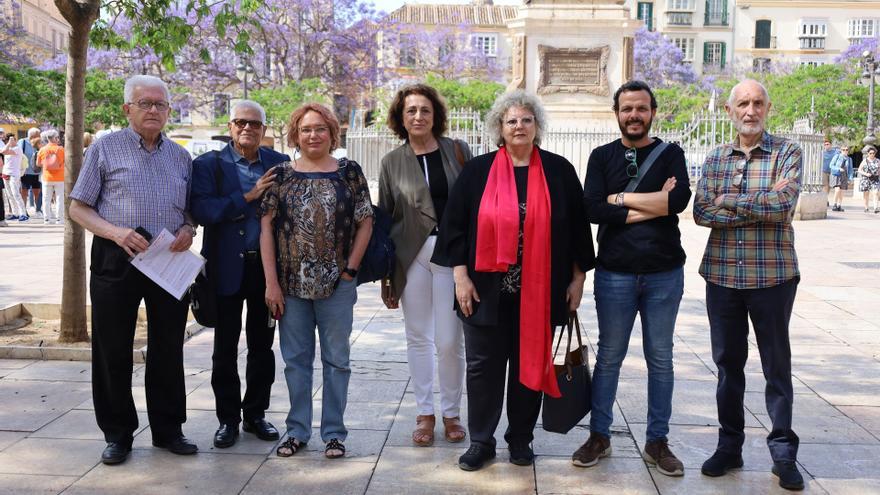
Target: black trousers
<point x="260" y="372"/>
<point x="117" y="289"/>
<point x="492" y="353"/>
<point x="770" y="311"/>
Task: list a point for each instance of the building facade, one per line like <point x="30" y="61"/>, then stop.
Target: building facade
<point x="46" y="30"/>
<point x="804" y="32"/>
<point x="702" y="29"/>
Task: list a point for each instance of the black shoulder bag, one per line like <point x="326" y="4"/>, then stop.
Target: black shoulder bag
<point x="562" y="414"/>
<point x="203" y="291"/>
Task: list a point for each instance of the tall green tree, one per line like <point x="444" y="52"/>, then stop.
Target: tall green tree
<point x="474" y="94"/>
<point x="158" y="24"/>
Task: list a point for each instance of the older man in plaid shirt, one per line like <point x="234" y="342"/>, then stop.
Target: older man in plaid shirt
<point x="747" y="196"/>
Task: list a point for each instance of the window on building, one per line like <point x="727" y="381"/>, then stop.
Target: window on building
<point x="680" y="5"/>
<point x="220" y="108"/>
<point x="486" y="44"/>
<point x="861" y="28"/>
<point x="811" y="63"/>
<point x="180" y="117"/>
<point x="813" y="27"/>
<point x="808" y="43"/>
<point x="761" y="64"/>
<point x="446" y="49"/>
<point x="716" y="13"/>
<point x="762" y="34"/>
<point x="714" y="54"/>
<point x="408" y="51"/>
<point x="679" y="18"/>
<point x="686" y="45"/>
<point x="645" y="13"/>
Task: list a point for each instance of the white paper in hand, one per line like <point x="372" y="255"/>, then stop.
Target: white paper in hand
<point x="171" y="271"/>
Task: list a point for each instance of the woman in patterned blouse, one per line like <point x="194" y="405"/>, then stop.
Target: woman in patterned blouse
<point x="316" y="222"/>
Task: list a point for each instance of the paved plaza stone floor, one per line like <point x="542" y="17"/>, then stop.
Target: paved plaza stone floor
<point x="49" y="442"/>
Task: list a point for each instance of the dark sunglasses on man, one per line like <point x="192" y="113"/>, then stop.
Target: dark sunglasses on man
<point x="632" y="168"/>
<point x="242" y="123"/>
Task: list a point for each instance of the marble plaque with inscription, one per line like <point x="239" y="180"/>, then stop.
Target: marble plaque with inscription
<point x="573" y="70"/>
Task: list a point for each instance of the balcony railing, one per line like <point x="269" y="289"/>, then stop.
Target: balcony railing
<point x="679" y="18"/>
<point x="812" y="42"/>
<point x="771" y="47"/>
<point x="715" y="19"/>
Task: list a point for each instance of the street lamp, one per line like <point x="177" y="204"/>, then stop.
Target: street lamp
<point x="242" y="71"/>
<point x="872" y="68"/>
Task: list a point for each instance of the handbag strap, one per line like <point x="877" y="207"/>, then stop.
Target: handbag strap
<point x="646" y="166"/>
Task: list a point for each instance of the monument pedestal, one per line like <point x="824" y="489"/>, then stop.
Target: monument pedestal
<point x="574" y="54"/>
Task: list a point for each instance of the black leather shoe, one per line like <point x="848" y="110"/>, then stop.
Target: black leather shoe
<point x="521" y="454"/>
<point x="262" y="429"/>
<point x="720" y="463"/>
<point x="475" y="457"/>
<point x="179" y="445"/>
<point x="115" y="453"/>
<point x="789" y="476"/>
<point x="225" y="436"/>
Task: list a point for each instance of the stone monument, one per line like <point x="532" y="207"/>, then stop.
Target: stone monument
<point x="573" y="54"/>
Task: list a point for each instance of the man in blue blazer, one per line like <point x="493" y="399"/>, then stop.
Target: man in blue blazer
<point x="227" y="187"/>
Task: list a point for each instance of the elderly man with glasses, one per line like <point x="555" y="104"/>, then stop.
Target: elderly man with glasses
<point x="227" y="188"/>
<point x="747" y="196"/>
<point x="634" y="189"/>
<point x="134" y="184"/>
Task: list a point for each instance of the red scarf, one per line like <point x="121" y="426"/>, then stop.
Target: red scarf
<point x="497" y="242"/>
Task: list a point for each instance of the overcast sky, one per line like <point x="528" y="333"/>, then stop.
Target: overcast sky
<point x="389" y="5"/>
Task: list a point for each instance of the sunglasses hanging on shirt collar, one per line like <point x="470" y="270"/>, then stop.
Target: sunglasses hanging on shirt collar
<point x="632" y="168"/>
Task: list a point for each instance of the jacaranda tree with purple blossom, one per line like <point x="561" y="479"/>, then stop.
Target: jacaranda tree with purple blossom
<point x="659" y="62"/>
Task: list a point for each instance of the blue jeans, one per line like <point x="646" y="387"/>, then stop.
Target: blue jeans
<point x="333" y="317"/>
<point x="619" y="296"/>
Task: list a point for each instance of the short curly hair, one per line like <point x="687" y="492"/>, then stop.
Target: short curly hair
<point x="505" y="102"/>
<point x="325" y="113"/>
<point x="395" y="111"/>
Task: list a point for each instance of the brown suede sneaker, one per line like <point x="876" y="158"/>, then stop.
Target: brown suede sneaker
<point x="658" y="453"/>
<point x="589" y="453"/>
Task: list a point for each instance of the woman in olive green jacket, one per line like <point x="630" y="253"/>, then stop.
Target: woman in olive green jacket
<point x="414" y="183"/>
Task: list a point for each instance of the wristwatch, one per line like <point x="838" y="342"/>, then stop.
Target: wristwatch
<point x="351" y="272"/>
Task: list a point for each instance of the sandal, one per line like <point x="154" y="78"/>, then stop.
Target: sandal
<point x="454" y="431"/>
<point x="423" y="436"/>
<point x="332" y="445"/>
<point x="289" y="447"/>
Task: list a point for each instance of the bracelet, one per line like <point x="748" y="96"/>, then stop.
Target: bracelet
<point x="619" y="199"/>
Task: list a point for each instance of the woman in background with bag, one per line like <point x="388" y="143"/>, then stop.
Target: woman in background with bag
<point x="51" y="159"/>
<point x="14" y="163"/>
<point x="316" y="222"/>
<point x="517" y="237"/>
<point x="414" y="184"/>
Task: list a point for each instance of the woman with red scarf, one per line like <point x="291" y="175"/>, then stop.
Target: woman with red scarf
<point x="517" y="237"/>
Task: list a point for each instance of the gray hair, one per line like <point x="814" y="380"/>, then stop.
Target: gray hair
<point x="505" y="102"/>
<point x="33" y="132"/>
<point x="142" y="81"/>
<point x="732" y="97"/>
<point x="251" y="104"/>
<point x="50" y="135"/>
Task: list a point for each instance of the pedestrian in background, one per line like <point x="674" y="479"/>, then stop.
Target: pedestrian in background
<point x="51" y="159"/>
<point x="12" y="168"/>
<point x="30" y="178"/>
<point x="869" y="177"/>
<point x="841" y="168"/>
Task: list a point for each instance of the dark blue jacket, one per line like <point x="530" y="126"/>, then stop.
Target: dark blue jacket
<point x="223" y="213"/>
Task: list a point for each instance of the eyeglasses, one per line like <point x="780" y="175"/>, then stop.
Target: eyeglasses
<point x="242" y="123"/>
<point x="146" y="105"/>
<point x="740" y="168"/>
<point x="632" y="168"/>
<point x="305" y="131"/>
<point x="525" y="121"/>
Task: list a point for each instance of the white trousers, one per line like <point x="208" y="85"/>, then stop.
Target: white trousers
<point x="431" y="324"/>
<point x="51" y="189"/>
<point x="13" y="192"/>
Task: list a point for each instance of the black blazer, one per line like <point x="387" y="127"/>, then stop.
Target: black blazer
<point x="570" y="238"/>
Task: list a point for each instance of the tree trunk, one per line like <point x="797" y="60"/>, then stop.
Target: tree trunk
<point x="80" y="14"/>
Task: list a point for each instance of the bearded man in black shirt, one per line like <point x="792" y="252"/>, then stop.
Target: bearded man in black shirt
<point x="635" y="187"/>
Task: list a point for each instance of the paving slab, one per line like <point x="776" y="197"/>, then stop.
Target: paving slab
<point x="867" y="417"/>
<point x="80" y="424"/>
<point x="58" y="371"/>
<point x="735" y="482"/>
<point x="841" y="461"/>
<point x="28" y="405"/>
<point x="613" y="475"/>
<point x="415" y="470"/>
<point x="17" y="484"/>
<point x="51" y="456"/>
<point x="8" y="438"/>
<point x="308" y="476"/>
<point x="815" y="421"/>
<point x="154" y="471"/>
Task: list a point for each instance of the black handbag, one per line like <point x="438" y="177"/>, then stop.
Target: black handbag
<point x="203" y="301"/>
<point x="562" y="414"/>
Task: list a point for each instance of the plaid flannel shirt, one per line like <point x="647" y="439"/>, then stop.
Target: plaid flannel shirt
<point x="751" y="245"/>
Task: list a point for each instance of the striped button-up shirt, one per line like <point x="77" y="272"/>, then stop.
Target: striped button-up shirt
<point x="132" y="187"/>
<point x="751" y="245"/>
